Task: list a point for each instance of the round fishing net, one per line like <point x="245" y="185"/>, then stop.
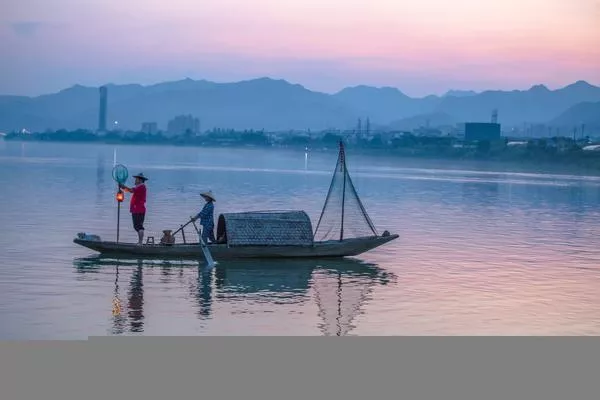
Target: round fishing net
<point x="120" y="174"/>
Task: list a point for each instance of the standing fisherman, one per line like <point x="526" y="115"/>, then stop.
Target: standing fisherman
<point x="137" y="205"/>
<point x="207" y="217"/>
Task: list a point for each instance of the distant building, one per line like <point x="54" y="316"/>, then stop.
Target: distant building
<point x="426" y="131"/>
<point x="479" y="131"/>
<point x="182" y="124"/>
<point x="103" y="109"/>
<point x="150" y="128"/>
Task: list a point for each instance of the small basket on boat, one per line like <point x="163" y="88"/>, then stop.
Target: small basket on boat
<point x="168" y="238"/>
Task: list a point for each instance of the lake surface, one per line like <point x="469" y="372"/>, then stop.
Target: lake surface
<point x="480" y="252"/>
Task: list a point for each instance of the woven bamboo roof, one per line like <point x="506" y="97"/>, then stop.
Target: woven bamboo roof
<point x="266" y="228"/>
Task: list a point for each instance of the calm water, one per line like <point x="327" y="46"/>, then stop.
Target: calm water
<point x="480" y="252"/>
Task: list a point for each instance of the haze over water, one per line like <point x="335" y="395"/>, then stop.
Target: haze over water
<point x="480" y="252"/>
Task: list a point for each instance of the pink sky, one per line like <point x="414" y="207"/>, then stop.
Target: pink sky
<point x="421" y="47"/>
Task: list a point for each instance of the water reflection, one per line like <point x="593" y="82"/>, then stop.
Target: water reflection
<point x="119" y="321"/>
<point x="100" y="178"/>
<point x="204" y="293"/>
<point x="342" y="290"/>
<point x="136" y="300"/>
<point x="252" y="280"/>
<point x="135" y="294"/>
<point x="481" y="193"/>
<point x="339" y="288"/>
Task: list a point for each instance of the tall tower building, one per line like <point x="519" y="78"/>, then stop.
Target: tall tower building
<point x="494" y="116"/>
<point x="103" y="106"/>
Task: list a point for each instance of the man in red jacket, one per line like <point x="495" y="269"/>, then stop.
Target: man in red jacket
<point x="137" y="205"/>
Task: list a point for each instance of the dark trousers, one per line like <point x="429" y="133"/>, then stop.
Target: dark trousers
<point x="138" y="221"/>
<point x="208" y="233"/>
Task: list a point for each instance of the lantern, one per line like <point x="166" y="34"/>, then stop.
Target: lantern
<point x="120" y="196"/>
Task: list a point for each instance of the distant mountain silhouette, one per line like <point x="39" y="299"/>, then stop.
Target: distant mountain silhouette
<point x="422" y="120"/>
<point x="271" y="104"/>
<point x="587" y="113"/>
<point x="385" y="104"/>
<point x="460" y="93"/>
<point x="254" y="104"/>
<point x="536" y="105"/>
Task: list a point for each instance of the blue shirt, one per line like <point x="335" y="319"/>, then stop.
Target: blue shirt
<point x="206" y="215"/>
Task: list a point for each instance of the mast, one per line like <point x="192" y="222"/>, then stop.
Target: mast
<point x="343" y="161"/>
<point x="339" y="304"/>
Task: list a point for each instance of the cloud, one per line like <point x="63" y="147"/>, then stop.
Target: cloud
<point x="26" y="28"/>
<point x="31" y="28"/>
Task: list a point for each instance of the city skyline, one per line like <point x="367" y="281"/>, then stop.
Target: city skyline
<point x="425" y="47"/>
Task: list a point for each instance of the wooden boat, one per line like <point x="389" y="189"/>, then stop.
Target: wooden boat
<point x="272" y="234"/>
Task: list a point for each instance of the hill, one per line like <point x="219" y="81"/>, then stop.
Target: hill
<point x="587" y="113"/>
<point x="256" y="104"/>
<point x="385" y="104"/>
<point x="271" y="104"/>
<point x="421" y="120"/>
<point x="460" y="93"/>
<point x="536" y="105"/>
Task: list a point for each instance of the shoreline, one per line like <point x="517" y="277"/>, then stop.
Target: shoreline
<point x="517" y="163"/>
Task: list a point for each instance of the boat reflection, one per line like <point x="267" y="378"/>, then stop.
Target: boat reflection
<point x="339" y="287"/>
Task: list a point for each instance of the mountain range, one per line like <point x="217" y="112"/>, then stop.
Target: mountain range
<point x="272" y="104"/>
<point x="587" y="113"/>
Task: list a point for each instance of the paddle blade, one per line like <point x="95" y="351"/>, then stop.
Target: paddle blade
<point x="207" y="255"/>
<point x="209" y="260"/>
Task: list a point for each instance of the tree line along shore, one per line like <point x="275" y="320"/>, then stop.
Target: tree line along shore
<point x="565" y="151"/>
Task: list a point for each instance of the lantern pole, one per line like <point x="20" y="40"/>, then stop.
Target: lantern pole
<point x="118" y="218"/>
<point x="120" y="175"/>
<point x="119" y="201"/>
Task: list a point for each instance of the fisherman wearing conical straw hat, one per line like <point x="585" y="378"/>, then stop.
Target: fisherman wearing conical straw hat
<point x="206" y="216"/>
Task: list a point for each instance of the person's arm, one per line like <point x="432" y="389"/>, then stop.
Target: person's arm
<point x="198" y="216"/>
<point x="127" y="189"/>
<point x="203" y="213"/>
<point x="195" y="217"/>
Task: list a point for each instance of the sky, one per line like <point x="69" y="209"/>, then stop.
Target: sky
<point x="421" y="47"/>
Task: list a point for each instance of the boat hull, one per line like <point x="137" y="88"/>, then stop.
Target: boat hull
<point x="333" y="248"/>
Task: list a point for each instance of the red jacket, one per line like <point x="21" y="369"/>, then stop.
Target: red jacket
<point x="138" y="199"/>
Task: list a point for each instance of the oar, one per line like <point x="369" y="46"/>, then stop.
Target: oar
<point x="181" y="228"/>
<point x="209" y="260"/>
